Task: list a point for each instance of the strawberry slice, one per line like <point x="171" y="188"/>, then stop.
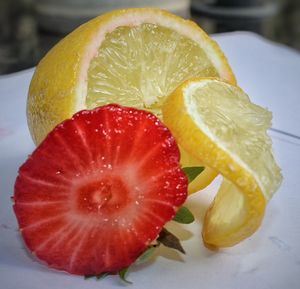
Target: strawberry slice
<point x="99" y="189"/>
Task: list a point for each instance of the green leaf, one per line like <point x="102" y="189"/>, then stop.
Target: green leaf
<point x="102" y="275"/>
<point x="88" y="277"/>
<point x="169" y="240"/>
<point x="184" y="216"/>
<point x="193" y="172"/>
<point x="146" y="255"/>
<point x="99" y="277"/>
<point x="123" y="273"/>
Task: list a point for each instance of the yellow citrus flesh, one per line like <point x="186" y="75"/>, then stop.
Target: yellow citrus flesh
<point x="134" y="57"/>
<point x="217" y="124"/>
<point x="140" y="66"/>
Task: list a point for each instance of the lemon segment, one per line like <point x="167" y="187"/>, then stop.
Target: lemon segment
<point x="216" y="123"/>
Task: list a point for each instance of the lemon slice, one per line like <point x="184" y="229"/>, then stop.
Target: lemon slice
<point x="133" y="57"/>
<point x="217" y="124"/>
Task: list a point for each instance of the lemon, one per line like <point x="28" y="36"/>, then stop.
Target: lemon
<point x="133" y="57"/>
<point x="218" y="125"/>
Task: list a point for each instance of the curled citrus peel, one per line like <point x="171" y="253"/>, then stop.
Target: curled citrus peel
<point x="217" y="124"/>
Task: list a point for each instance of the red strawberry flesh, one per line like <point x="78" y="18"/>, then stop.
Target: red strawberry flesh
<point x="99" y="189"/>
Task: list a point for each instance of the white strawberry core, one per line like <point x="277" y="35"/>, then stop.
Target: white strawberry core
<point x="102" y="196"/>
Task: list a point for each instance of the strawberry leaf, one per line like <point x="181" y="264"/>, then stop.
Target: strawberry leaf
<point x="169" y="240"/>
<point x="184" y="216"/>
<point x="102" y="276"/>
<point x="123" y="273"/>
<point x="148" y="253"/>
<point x="98" y="277"/>
<point x="193" y="172"/>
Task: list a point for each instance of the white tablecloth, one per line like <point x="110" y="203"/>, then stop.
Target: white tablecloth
<point x="270" y="74"/>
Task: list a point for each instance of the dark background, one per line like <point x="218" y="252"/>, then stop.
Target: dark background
<point x="29" y="28"/>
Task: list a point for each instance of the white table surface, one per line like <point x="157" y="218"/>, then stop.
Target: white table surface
<point x="270" y="74"/>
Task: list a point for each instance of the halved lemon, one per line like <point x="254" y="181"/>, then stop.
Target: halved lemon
<point x="134" y="57"/>
<point x="218" y="125"/>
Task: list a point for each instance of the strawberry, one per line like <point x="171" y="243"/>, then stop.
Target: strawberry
<point x="99" y="189"/>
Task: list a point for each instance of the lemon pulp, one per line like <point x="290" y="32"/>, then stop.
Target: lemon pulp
<point x="139" y="66"/>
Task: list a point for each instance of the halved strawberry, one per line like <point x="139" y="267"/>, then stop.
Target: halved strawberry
<point x="99" y="189"/>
